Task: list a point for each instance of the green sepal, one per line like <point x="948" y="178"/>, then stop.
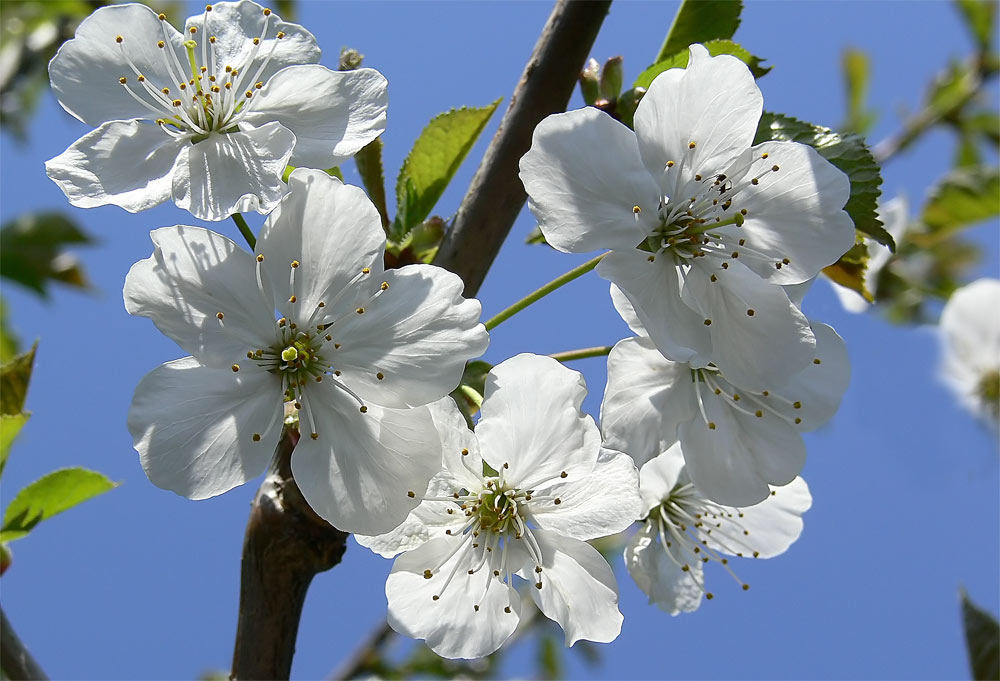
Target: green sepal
<point x="48" y="496"/>
<point x="699" y="21"/>
<point x="679" y="60"/>
<point x="850" y="154"/>
<point x="432" y="162"/>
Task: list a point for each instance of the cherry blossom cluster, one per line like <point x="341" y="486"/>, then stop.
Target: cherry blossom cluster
<point x="709" y="240"/>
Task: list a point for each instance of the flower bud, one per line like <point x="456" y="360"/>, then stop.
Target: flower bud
<point x="628" y="103"/>
<point x="590" y="82"/>
<point x="350" y="59"/>
<point x="612" y="77"/>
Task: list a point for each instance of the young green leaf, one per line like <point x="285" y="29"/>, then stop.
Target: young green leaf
<point x="979" y="18"/>
<point x="982" y="639"/>
<point x="432" y="162"/>
<point x="14" y="378"/>
<point x="856" y="74"/>
<point x="369" y="162"/>
<point x="679" y="60"/>
<point x="698" y="21"/>
<point x="963" y="198"/>
<point x="8" y="339"/>
<point x="848" y="153"/>
<point x="10" y="426"/>
<point x="48" y="496"/>
<point x="31" y="251"/>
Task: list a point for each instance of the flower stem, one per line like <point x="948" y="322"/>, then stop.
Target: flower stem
<point x="245" y="230"/>
<point x="582" y="353"/>
<point x="543" y="291"/>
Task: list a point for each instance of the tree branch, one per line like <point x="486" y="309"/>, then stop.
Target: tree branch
<point x="285" y="546"/>
<point x="286" y="543"/>
<point x="496" y="195"/>
<point x="17" y="662"/>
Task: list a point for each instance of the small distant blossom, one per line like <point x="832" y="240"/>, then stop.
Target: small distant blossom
<point x="894" y="215"/>
<point x="356" y="353"/>
<point x="736" y="442"/>
<point x="704" y="229"/>
<point x="547" y="487"/>
<point x="210" y="117"/>
<point x="970" y="333"/>
<point x="682" y="530"/>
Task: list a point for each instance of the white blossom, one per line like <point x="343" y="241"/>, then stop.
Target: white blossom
<point x="703" y="228"/>
<point x="546" y="488"/>
<point x="683" y="530"/>
<point x="970" y="334"/>
<point x="736" y="442"/>
<point x="210" y="117"/>
<point x="356" y="351"/>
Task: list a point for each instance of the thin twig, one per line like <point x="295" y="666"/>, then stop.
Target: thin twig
<point x="15" y="660"/>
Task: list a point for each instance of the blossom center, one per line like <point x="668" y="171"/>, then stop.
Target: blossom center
<point x="205" y="95"/>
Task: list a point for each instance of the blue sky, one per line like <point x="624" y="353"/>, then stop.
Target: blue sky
<point x="141" y="583"/>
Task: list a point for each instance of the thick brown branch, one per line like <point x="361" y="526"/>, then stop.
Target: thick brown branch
<point x="285" y="546"/>
<point x="496" y="195"/>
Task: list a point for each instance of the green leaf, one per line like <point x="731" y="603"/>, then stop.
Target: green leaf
<point x="982" y="640"/>
<point x="536" y="237"/>
<point x="10" y="426"/>
<point x="964" y="197"/>
<point x="851" y="269"/>
<point x="433" y="160"/>
<point x="679" y="60"/>
<point x="856" y="75"/>
<point x="31" y="251"/>
<point x="14" y="378"/>
<point x="979" y="16"/>
<point x="848" y="153"/>
<point x="698" y="21"/>
<point x="48" y="496"/>
<point x="8" y="340"/>
<point x="369" y="163"/>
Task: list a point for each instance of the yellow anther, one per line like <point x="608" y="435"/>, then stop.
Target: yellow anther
<point x="165" y="91"/>
<point x="817" y="361"/>
<point x="360" y="310"/>
<point x="759" y="414"/>
<point x="411" y="494"/>
<point x="314" y="436"/>
<point x="280" y="35"/>
<point x="258" y="84"/>
<point x="708" y="322"/>
<point x="797" y="420"/>
<point x="797" y="405"/>
<point x="161" y="16"/>
<point x="385" y="286"/>
<point x="775" y="168"/>
<point x="119" y="39"/>
<point x="267" y="12"/>
<point x="363" y="409"/>
<point x="236" y="367"/>
<point x="751" y="312"/>
<point x="256" y="41"/>
<point x="292" y="299"/>
<point x="711" y="425"/>
<point x="219" y="315"/>
<point x="465" y="452"/>
<point x="380" y="376"/>
<point x="256" y="437"/>
<point x="182" y="86"/>
<point x="141" y="78"/>
<point x="193" y="30"/>
<point x="366" y="271"/>
<point x="176" y="102"/>
<point x="211" y="39"/>
<point x="651" y="258"/>
<point x="161" y="44"/>
<point x="691" y="145"/>
<point x="248" y="94"/>
<point x="123" y="80"/>
<point x="636" y="210"/>
<point x="764" y="155"/>
<point x="260" y="258"/>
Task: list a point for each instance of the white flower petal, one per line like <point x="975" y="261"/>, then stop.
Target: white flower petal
<point x="193" y="426"/>
<point x="819" y="387"/>
<point x="794" y="213"/>
<point x="659" y="475"/>
<point x="236" y="24"/>
<point x="427" y="521"/>
<point x="85" y="71"/>
<point x="411" y="344"/>
<point x="217" y="176"/>
<point x="602" y="503"/>
<point x="540" y="433"/>
<point x="122" y="163"/>
<point x="334" y="232"/>
<point x="578" y="589"/>
<point x="452" y="625"/>
<point x="654" y="290"/>
<point x="359" y="473"/>
<point x="970" y="326"/>
<point x="647" y="396"/>
<point x="627" y="311"/>
<point x="584" y="177"/>
<point x="332" y="113"/>
<point x="733" y="462"/>
<point x="660" y="578"/>
<point x="193" y="275"/>
<point x="714" y="104"/>
<point x="759" y="338"/>
<point x="771" y="526"/>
